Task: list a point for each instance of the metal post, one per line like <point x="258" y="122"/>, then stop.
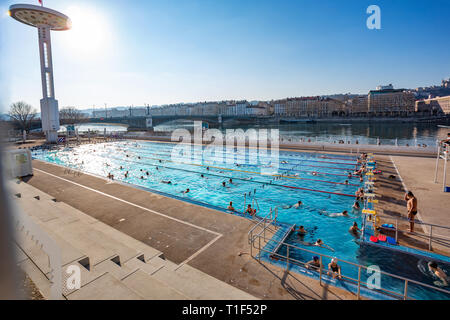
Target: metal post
<point x="437" y="164"/>
<point x="320" y="271"/>
<point x="431" y="237"/>
<point x="405" y="292"/>
<point x="287" y="260"/>
<point x="445" y="170"/>
<point x="359" y="282"/>
<point x="259" y="244"/>
<point x="396" y="230"/>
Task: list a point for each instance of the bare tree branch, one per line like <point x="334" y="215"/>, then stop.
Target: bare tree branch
<point x="71" y="115"/>
<point x="22" y="113"/>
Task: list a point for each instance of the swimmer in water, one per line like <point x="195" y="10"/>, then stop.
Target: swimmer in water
<point x="320" y="243"/>
<point x="301" y="231"/>
<point x="314" y="173"/>
<point x="337" y="214"/>
<point x="167" y="182"/>
<point x="438" y="272"/>
<point x="250" y="210"/>
<point x="298" y="204"/>
<point x="230" y="206"/>
<point x="356" y="205"/>
<point x="346" y="182"/>
<point x="224" y="184"/>
<point x="354" y="229"/>
<point x="230" y="181"/>
<point x="349" y="175"/>
<point x="186" y="191"/>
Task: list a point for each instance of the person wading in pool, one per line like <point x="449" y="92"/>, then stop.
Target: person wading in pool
<point x="334" y="269"/>
<point x="354" y="229"/>
<point x="250" y="210"/>
<point x="314" y="263"/>
<point x="411" y="206"/>
<point x="230" y="206"/>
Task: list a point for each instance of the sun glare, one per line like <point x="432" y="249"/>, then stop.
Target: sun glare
<point x="89" y="32"/>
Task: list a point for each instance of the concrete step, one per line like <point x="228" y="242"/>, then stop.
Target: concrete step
<point x="215" y="288"/>
<point x="86" y="276"/>
<point x="146" y="267"/>
<point x="198" y="285"/>
<point x="40" y="258"/>
<point x="124" y="239"/>
<point x="38" y="278"/>
<point x="118" y="271"/>
<point x="27" y="191"/>
<point x="106" y="287"/>
<point x="151" y="288"/>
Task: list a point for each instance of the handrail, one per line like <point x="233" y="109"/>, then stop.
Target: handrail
<point x="290" y="246"/>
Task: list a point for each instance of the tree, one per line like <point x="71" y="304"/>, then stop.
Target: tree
<point x="23" y="114"/>
<point x="71" y="115"/>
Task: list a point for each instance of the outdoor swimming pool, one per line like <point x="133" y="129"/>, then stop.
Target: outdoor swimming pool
<point x="318" y="180"/>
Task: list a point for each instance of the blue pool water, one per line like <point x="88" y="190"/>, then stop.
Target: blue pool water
<point x="322" y="193"/>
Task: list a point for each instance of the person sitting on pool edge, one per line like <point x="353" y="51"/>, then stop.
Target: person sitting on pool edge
<point x="230" y="206"/>
<point x="313" y="264"/>
<point x="334" y="269"/>
<point x="250" y="210"/>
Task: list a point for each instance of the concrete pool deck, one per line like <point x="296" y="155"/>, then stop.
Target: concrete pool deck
<point x="205" y="239"/>
<point x="415" y="174"/>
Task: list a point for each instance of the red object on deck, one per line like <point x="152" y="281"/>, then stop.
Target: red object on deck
<point x="373" y="239"/>
<point x="382" y="237"/>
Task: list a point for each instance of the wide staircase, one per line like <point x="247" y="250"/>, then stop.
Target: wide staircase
<point x="113" y="265"/>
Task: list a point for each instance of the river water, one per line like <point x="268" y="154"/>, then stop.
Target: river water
<point x="364" y="133"/>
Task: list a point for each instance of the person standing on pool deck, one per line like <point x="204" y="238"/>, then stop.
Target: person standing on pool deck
<point x="411" y="206"/>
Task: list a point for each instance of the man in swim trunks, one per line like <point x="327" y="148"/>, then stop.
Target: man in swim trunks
<point x="411" y="206"/>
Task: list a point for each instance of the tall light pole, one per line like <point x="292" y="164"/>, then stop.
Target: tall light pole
<point x="45" y="20"/>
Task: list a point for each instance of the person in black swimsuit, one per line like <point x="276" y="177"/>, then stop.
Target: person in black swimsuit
<point x="334" y="269"/>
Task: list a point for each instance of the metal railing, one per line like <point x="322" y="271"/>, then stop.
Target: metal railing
<point x="430" y="234"/>
<point x="255" y="238"/>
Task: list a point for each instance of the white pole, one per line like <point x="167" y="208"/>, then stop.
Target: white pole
<point x="437" y="164"/>
<point x="24" y="136"/>
<point x="445" y="169"/>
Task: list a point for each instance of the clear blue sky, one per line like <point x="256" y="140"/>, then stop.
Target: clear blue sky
<point x="161" y="52"/>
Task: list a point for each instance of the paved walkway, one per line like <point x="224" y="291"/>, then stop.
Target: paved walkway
<point x="417" y="175"/>
<point x="206" y="239"/>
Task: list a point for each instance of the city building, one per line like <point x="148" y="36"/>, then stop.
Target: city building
<point x="390" y="102"/>
<point x="434" y="106"/>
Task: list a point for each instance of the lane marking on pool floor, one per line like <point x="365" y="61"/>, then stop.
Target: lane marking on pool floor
<point x="218" y="235"/>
